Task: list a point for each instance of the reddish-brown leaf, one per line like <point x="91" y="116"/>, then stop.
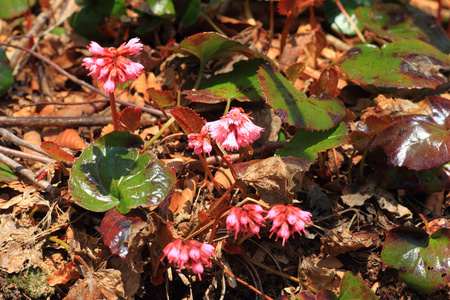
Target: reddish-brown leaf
<point x="54" y="151"/>
<point x="188" y="119"/>
<point x="129" y="119"/>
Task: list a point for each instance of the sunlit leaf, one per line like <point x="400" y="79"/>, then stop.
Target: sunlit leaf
<point x="396" y="22"/>
<point x="129" y="119"/>
<point x="409" y="64"/>
<point x="53" y="149"/>
<point x="161" y="8"/>
<point x="294" y="107"/>
<point x="188" y="119"/>
<point x="422" y="261"/>
<point x="161" y="98"/>
<point x="327" y="83"/>
<point x="337" y="19"/>
<point x="112" y="173"/>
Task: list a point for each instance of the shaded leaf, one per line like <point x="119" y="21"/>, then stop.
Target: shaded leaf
<point x="14" y="8"/>
<point x="294" y="107"/>
<point x="190" y="12"/>
<point x="404" y="64"/>
<point x="337" y="19"/>
<point x="129" y="119"/>
<point x="6" y="174"/>
<point x="210" y="45"/>
<point x="188" y="119"/>
<point x="240" y="84"/>
<point x="396" y="22"/>
<point x="327" y="83"/>
<point x="115" y="229"/>
<point x="52" y="149"/>
<point x="419" y="142"/>
<point x="111" y="172"/>
<point x="353" y="287"/>
<point x="294" y="71"/>
<point x="6" y="77"/>
<point x="307" y="144"/>
<point x="422" y="260"/>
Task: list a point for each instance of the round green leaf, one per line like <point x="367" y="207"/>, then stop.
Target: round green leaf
<point x="409" y="64"/>
<point x="423" y="261"/>
<point x="294" y="107"/>
<point x="112" y="173"/>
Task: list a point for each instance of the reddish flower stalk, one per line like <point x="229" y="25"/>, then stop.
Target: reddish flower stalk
<point x="246" y="219"/>
<point x="234" y="130"/>
<point x="111" y="67"/>
<point x="287" y="220"/>
<point x="190" y="253"/>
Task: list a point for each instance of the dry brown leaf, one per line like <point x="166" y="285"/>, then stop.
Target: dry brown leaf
<point x="67" y="138"/>
<point x="182" y="202"/>
<point x="104" y="284"/>
<point x="68" y="273"/>
<point x="317" y="277"/>
<point x="34" y="137"/>
<point x="177" y="162"/>
<point x="434" y="203"/>
<point x="107" y="129"/>
<point x="224" y="177"/>
<point x="340" y="243"/>
<point x="138" y="91"/>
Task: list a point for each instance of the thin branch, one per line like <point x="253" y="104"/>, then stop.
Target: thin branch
<point x="18" y="141"/>
<point x="16" y="153"/>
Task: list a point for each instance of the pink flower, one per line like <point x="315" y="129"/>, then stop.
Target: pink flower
<point x="111" y="67"/>
<point x="247" y="219"/>
<point x="287" y="220"/>
<point x="191" y="253"/>
<point x="234" y="130"/>
<point x="200" y="141"/>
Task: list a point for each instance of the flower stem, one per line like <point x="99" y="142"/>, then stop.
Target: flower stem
<point x="208" y="171"/>
<point x="344" y="12"/>
<point x="160" y="132"/>
<point x="200" y="74"/>
<point x="112" y="101"/>
<point x="208" y="19"/>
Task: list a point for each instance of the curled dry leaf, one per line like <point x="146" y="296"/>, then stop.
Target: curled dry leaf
<point x="68" y="273"/>
<point x="34" y="137"/>
<point x="182" y="202"/>
<point x="67" y="138"/>
<point x="138" y="91"/>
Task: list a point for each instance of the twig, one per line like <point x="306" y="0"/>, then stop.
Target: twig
<point x="54" y="192"/>
<point x="18" y="141"/>
<point x="15" y="153"/>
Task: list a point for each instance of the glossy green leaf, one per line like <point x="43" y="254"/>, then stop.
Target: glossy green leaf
<point x="337" y="19"/>
<point x="240" y="84"/>
<point x="396" y="22"/>
<point x="294" y="107"/>
<point x="6" y="77"/>
<point x="13" y="8"/>
<point x="6" y="174"/>
<point x="161" y="8"/>
<point x="112" y="173"/>
<point x="422" y="261"/>
<point x="409" y="64"/>
<point x="96" y="18"/>
<point x="418" y="142"/>
<point x="210" y="45"/>
<point x="307" y="144"/>
<point x="353" y="287"/>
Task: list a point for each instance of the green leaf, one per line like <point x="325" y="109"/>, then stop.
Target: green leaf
<point x="307" y="144"/>
<point x="353" y="287"/>
<point x="13" y="8"/>
<point x="422" y="261"/>
<point x="294" y="107"/>
<point x="161" y="8"/>
<point x="337" y="19"/>
<point x="410" y="64"/>
<point x="112" y="173"/>
<point x="207" y="46"/>
<point x="90" y="21"/>
<point x="240" y="84"/>
<point x="6" y="174"/>
<point x="6" y="77"/>
<point x="190" y="12"/>
<point x="396" y="22"/>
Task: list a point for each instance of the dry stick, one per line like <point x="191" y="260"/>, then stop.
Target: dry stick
<point x="18" y="141"/>
<point x="39" y="122"/>
<point x="349" y="19"/>
<point x="76" y="80"/>
<point x="242" y="281"/>
<point x="28" y="174"/>
<point x="15" y="153"/>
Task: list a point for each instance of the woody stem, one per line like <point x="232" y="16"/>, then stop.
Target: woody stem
<point x="112" y="101"/>
<point x="208" y="171"/>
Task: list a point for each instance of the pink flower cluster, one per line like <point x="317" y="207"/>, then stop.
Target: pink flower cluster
<point x="287" y="220"/>
<point x="111" y="66"/>
<point x="233" y="131"/>
<point x="246" y="219"/>
<point x="190" y="253"/>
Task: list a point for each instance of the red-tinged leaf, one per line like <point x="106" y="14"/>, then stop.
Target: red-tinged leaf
<point x="377" y="123"/>
<point x="188" y="119"/>
<point x="161" y="98"/>
<point x="294" y="71"/>
<point x="327" y="83"/>
<point x="233" y="248"/>
<point x="129" y="119"/>
<point x="210" y="45"/>
<point x="422" y="260"/>
<point x="294" y="107"/>
<point x="353" y="287"/>
<point x="326" y="295"/>
<point x="418" y="142"/>
<point x="52" y="149"/>
<point x="360" y="137"/>
<point x="115" y="229"/>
